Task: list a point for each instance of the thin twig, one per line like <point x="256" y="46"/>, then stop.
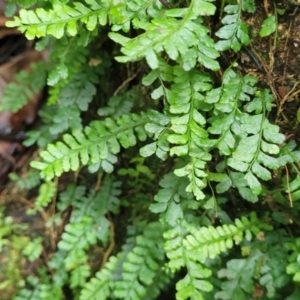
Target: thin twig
<point x="292" y="93"/>
<point x="125" y="82"/>
<point x="98" y="183"/>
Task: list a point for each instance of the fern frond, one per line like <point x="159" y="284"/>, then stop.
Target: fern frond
<point x="46" y="192"/>
<point x="70" y="195"/>
<point x="117" y="106"/>
<point x="290" y="154"/>
<point x="79" y="90"/>
<point x="186" y="98"/>
<point x="188" y="246"/>
<point x="41" y="22"/>
<point x="177" y="33"/>
<point x="37" y="290"/>
<point x="234" y="32"/>
<point x="67" y="117"/>
<point x="240" y="273"/>
<point x="70" y="60"/>
<point x="273" y="274"/>
<point x="76" y="238"/>
<point x="124" y="14"/>
<point x="100" y="286"/>
<point x="96" y="144"/>
<point x="249" y="6"/>
<point x="95" y="205"/>
<point x="194" y="283"/>
<point x="172" y="199"/>
<point x="33" y="249"/>
<point x="5" y="229"/>
<point x="25" y="86"/>
<point x="79" y="276"/>
<point x="31" y="180"/>
<point x="160" y="281"/>
<point x="254" y="139"/>
<point x="211" y="241"/>
<point x="141" y="264"/>
<point x="188" y="135"/>
<point x="293" y="267"/>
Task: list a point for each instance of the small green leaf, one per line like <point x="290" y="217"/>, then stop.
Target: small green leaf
<point x="238" y="165"/>
<point x="223" y="186"/>
<point x="268" y="26"/>
<point x="148" y="150"/>
<point x="60" y="72"/>
<point x="261" y="172"/>
<point x="253" y="183"/>
<point x="150" y="78"/>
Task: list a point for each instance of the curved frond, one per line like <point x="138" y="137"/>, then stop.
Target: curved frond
<point x="76" y="238"/>
<point x="234" y="32"/>
<point x="41" y="22"/>
<point x="172" y="200"/>
<point x="98" y="143"/>
<point x="194" y="282"/>
<point x="46" y="192"/>
<point x="25" y="86"/>
<point x="177" y="33"/>
<point x="39" y="291"/>
<point x="142" y="263"/>
<point x="209" y="242"/>
<point x="100" y="286"/>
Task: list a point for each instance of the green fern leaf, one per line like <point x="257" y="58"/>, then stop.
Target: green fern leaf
<point x="234" y="32"/>
<point x="172" y="199"/>
<point x="100" y="286"/>
<point x="211" y="241"/>
<point x="59" y="73"/>
<point x="188" y="135"/>
<point x="41" y="22"/>
<point x="160" y="281"/>
<point x="240" y="273"/>
<point x="96" y="143"/>
<point x="273" y="275"/>
<point x="293" y="266"/>
<point x="76" y="238"/>
<point x="31" y="180"/>
<point x="125" y="13"/>
<point x="249" y="140"/>
<point x="194" y="283"/>
<point x="70" y="195"/>
<point x="94" y="205"/>
<point x="141" y="264"/>
<point x="79" y="276"/>
<point x="79" y="90"/>
<point x="26" y="85"/>
<point x="67" y="116"/>
<point x="182" y="38"/>
<point x="117" y="106"/>
<point x="39" y="291"/>
<point x="249" y="6"/>
<point x="33" y="249"/>
<point x="46" y="192"/>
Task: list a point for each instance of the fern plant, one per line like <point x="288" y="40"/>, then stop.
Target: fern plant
<point x="161" y="170"/>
